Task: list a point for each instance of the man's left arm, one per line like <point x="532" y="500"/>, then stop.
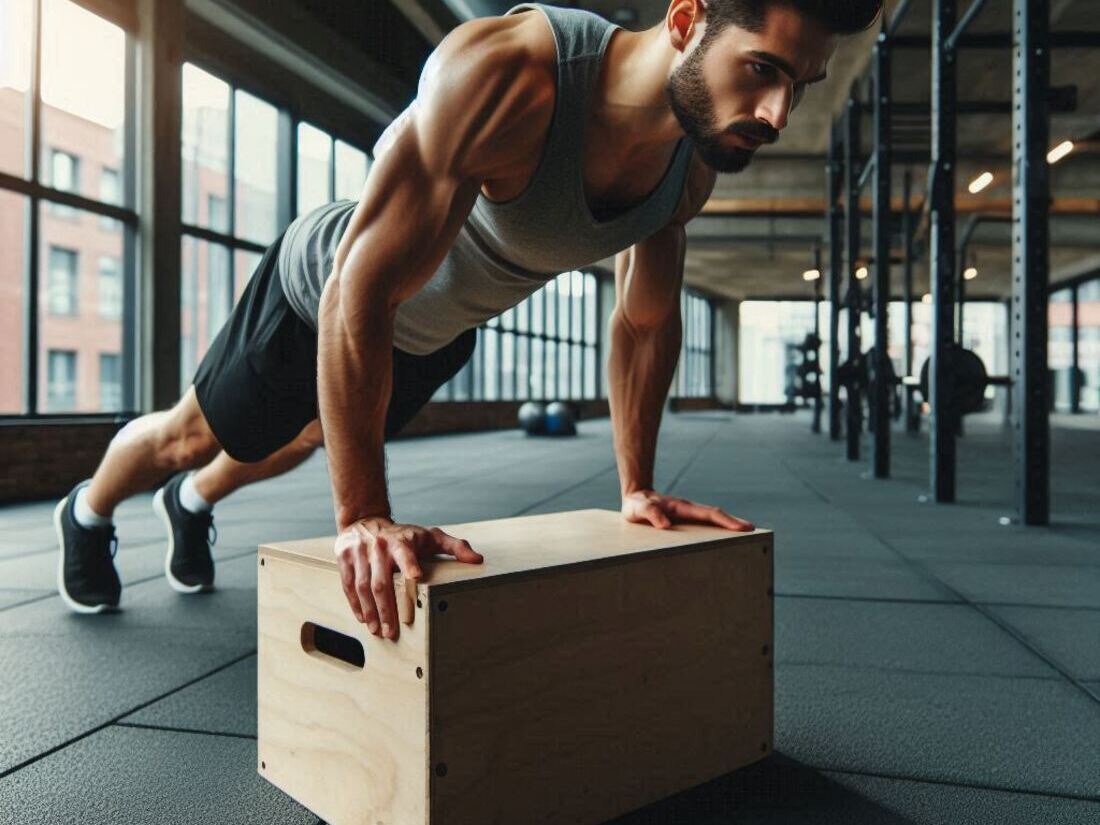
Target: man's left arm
<point x="645" y="334"/>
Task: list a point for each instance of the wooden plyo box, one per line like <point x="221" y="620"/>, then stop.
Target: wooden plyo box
<point x="588" y="667"/>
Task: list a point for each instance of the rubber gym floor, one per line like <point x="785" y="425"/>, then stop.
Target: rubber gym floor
<point x="932" y="665"/>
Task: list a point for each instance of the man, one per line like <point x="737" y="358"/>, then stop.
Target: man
<point x="539" y="141"/>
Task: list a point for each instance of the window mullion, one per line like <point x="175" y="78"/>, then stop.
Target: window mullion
<point x="31" y="221"/>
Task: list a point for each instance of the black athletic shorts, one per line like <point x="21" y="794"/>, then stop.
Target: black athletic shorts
<point x="257" y="384"/>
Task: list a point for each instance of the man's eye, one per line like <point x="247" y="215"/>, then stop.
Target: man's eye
<point x="762" y="69"/>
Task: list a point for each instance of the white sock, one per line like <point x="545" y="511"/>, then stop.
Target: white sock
<point x="85" y="516"/>
<point x="190" y="499"/>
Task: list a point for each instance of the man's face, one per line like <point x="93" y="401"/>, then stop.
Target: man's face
<point x="733" y="90"/>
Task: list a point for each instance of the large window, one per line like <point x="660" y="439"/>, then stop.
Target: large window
<point x="75" y="208"/>
<point x="110" y="380"/>
<point x="1060" y="346"/>
<point x="693" y="375"/>
<point x="1088" y="344"/>
<point x="110" y="287"/>
<point x="230" y="192"/>
<point x="61" y="380"/>
<point x="328" y="169"/>
<point x="237" y="195"/>
<point x="64" y="174"/>
<point x="769" y="329"/>
<point x="314" y="168"/>
<point x="546" y="347"/>
<point x="62" y="281"/>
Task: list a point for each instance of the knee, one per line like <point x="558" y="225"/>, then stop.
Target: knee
<point x="311" y="437"/>
<point x="184" y="440"/>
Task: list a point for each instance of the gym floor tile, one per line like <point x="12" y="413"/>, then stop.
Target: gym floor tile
<point x="897" y="636"/>
<point x="1016" y="733"/>
<point x="813" y="542"/>
<point x="1070" y="637"/>
<point x="134" y="562"/>
<point x="131" y="775"/>
<point x="993" y="544"/>
<point x="857" y="577"/>
<point x="781" y="791"/>
<point x="59" y="687"/>
<point x="884" y="685"/>
<point x="11" y="598"/>
<point x="224" y="702"/>
<point x="1031" y="584"/>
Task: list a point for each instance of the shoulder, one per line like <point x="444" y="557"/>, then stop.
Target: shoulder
<point x="487" y="85"/>
<point x="698" y="184"/>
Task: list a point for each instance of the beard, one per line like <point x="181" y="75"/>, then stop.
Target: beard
<point x="693" y="106"/>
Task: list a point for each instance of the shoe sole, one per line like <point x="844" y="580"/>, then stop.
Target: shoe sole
<point x="173" y="582"/>
<point x="72" y="603"/>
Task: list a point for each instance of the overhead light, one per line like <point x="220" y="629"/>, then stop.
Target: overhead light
<point x="861" y="273"/>
<point x="981" y="182"/>
<point x="811" y="275"/>
<point x="926" y="298"/>
<point x="970" y="273"/>
<point x="1060" y="151"/>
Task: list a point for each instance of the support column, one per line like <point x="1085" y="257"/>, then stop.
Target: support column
<point x="816" y="426"/>
<point x="854" y="403"/>
<point x="1031" y="255"/>
<point x="833" y="179"/>
<point x="882" y="391"/>
<point x="942" y="252"/>
<point x="1075" y="374"/>
<point x="159" y="103"/>
<point x="912" y="421"/>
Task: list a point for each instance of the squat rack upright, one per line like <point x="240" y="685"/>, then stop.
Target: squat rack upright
<point x="1032" y="102"/>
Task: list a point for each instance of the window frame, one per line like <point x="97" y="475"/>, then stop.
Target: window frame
<point x="527" y="322"/>
<point x="37" y="193"/>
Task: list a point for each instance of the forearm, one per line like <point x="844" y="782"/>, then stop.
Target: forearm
<point x="640" y="369"/>
<point x="354" y="382"/>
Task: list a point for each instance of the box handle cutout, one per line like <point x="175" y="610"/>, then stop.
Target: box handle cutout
<point x="317" y="639"/>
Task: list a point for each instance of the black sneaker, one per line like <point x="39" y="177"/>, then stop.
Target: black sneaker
<point x="86" y="577"/>
<point x="188" y="564"/>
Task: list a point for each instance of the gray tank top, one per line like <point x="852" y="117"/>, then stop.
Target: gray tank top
<point x="505" y="250"/>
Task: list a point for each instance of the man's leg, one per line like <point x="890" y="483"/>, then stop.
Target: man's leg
<point x="141" y="454"/>
<point x="185" y="505"/>
<point x="224" y="475"/>
<point x="150" y="448"/>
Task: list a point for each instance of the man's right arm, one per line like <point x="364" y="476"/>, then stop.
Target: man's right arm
<point x="427" y="173"/>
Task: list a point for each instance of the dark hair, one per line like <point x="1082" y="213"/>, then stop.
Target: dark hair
<point x="838" y="16"/>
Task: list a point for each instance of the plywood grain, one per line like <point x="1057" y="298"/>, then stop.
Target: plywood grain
<point x="579" y="695"/>
<point x="529" y="544"/>
<point x="349" y="744"/>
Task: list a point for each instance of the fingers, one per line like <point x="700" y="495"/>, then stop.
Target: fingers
<point x="347" y="582"/>
<point x="381" y="588"/>
<point x="405" y="557"/>
<point x="656" y="516"/>
<point x="406" y="560"/>
<point x="689" y="510"/>
<point x="363" y="592"/>
<point x="459" y="548"/>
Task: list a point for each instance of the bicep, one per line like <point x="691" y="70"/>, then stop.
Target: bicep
<point x="404" y="224"/>
<point x="648" y="277"/>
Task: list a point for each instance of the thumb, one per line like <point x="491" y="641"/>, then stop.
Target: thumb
<point x="656" y="515"/>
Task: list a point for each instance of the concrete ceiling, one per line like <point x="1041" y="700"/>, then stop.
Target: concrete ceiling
<point x="773" y="211"/>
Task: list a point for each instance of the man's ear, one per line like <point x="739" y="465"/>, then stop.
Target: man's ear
<point x="683" y="17"/>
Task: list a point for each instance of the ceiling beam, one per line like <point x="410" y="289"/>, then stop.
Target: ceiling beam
<point x="809" y="207"/>
<point x="432" y="18"/>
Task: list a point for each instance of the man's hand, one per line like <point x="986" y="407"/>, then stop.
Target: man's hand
<point x="649" y="507"/>
<point x="369" y="549"/>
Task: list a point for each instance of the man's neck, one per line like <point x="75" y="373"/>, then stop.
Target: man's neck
<point x="630" y="96"/>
